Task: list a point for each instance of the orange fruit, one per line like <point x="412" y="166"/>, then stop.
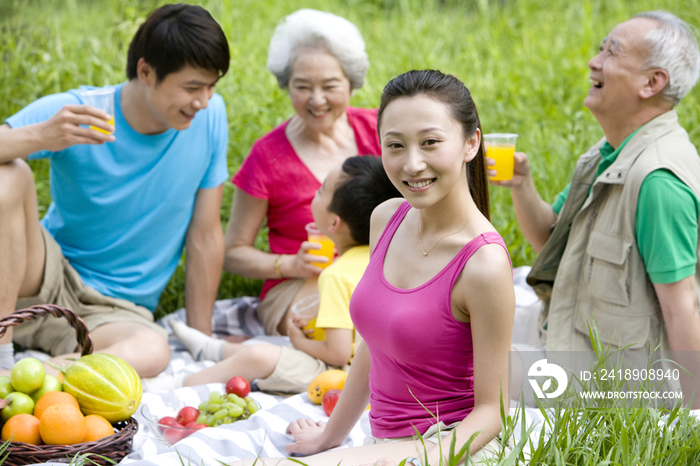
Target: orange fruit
<point x="323" y="382"/>
<point x="22" y="428"/>
<point x="97" y="428"/>
<point x="62" y="424"/>
<point x="53" y="398"/>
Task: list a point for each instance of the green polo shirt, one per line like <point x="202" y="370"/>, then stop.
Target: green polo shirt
<point x="667" y="221"/>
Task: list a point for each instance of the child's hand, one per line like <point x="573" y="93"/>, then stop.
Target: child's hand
<point x="300" y="323"/>
<point x="296" y="334"/>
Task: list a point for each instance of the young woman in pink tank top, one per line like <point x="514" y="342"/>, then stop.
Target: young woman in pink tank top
<point x="436" y="304"/>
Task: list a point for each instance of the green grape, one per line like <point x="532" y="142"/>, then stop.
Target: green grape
<point x="210" y="420"/>
<point x="252" y="407"/>
<point x="228" y="420"/>
<point x="218" y="423"/>
<point x="233" y="397"/>
<point x="214" y="407"/>
<point x="228" y="405"/>
<point x="220" y="414"/>
<point x="202" y="418"/>
<point x="215" y="397"/>
<point x="239" y="401"/>
<point x="203" y="406"/>
<point x="235" y="411"/>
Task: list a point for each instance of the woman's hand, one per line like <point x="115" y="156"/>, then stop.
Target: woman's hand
<point x="521" y="170"/>
<point x="300" y="265"/>
<point x="307" y="436"/>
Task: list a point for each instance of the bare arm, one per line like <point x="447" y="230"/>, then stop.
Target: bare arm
<point x="534" y="215"/>
<point x="679" y="308"/>
<point x="57" y="133"/>
<point x="311" y="439"/>
<point x="205" y="253"/>
<point x="335" y="350"/>
<point x="242" y="258"/>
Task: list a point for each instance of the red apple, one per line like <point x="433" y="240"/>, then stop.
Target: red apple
<point x="187" y="414"/>
<point x="175" y="432"/>
<point x="239" y="386"/>
<point x="195" y="425"/>
<point x="329" y="400"/>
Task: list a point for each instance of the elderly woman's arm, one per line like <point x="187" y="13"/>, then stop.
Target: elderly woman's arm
<point x="242" y="258"/>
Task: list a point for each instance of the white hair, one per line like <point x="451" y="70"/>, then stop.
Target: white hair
<point x="674" y="48"/>
<point x="312" y="29"/>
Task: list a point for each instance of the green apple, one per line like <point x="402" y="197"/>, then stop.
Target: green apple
<point x="27" y="375"/>
<point x="51" y="384"/>
<point x="17" y="403"/>
<point x="5" y="386"/>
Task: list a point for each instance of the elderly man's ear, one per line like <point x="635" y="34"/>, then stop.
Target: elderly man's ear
<point x="656" y="81"/>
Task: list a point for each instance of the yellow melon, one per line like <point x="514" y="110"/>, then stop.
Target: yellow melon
<point x="104" y="384"/>
<point x="325" y="381"/>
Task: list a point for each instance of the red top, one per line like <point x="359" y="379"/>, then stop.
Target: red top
<point x="273" y="171"/>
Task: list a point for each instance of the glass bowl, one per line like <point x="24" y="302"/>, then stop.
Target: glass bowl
<point x="152" y="412"/>
<point x="169" y="435"/>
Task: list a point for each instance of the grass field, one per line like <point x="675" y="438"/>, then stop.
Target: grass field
<point x="524" y="60"/>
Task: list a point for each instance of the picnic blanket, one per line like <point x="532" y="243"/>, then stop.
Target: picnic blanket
<point x="263" y="433"/>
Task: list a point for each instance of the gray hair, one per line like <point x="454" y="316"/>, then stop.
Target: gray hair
<point x="674" y="48"/>
<point x="312" y="29"/>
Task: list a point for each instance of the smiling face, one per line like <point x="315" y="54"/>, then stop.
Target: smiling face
<point x="424" y="151"/>
<point x="174" y="101"/>
<point x="617" y="75"/>
<point x="319" y="89"/>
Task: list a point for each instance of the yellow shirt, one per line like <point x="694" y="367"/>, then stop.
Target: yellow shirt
<point x="336" y="284"/>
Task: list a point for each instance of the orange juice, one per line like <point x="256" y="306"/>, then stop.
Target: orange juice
<point x="319" y="334"/>
<point x="327" y="249"/>
<point x="110" y="121"/>
<point x="503" y="155"/>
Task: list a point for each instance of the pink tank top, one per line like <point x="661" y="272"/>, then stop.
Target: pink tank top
<point x="418" y="350"/>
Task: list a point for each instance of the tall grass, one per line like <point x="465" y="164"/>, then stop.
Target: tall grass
<point x="524" y="61"/>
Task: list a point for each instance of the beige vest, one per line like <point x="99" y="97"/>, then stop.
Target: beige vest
<point x="591" y="267"/>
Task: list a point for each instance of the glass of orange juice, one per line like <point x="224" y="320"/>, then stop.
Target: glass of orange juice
<point x="501" y="148"/>
<point x="327" y="245"/>
<point x="101" y="99"/>
<point x="307" y="309"/>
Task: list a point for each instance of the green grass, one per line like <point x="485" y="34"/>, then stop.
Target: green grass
<point x="525" y="62"/>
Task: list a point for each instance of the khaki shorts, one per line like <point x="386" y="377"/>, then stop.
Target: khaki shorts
<point x="63" y="286"/>
<point x="488" y="451"/>
<point x="273" y="307"/>
<point x="294" y="372"/>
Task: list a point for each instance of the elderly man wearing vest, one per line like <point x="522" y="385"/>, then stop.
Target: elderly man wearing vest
<point x="619" y="244"/>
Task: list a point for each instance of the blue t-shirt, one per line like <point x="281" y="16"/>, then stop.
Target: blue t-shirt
<point x="121" y="210"/>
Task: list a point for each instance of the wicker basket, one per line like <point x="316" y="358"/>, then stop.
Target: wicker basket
<point x="114" y="447"/>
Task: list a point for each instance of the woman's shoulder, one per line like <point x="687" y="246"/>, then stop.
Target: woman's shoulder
<point x="364" y="122"/>
<point x="381" y="216"/>
<point x="274" y="137"/>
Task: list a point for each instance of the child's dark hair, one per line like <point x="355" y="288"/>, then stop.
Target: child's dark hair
<point x="450" y="91"/>
<point x="362" y="187"/>
<point x="177" y="35"/>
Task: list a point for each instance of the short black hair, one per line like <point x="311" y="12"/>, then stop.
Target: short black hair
<point x="363" y="186"/>
<point x="176" y="35"/>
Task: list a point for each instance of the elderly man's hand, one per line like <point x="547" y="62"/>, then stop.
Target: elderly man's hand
<point x="521" y="170"/>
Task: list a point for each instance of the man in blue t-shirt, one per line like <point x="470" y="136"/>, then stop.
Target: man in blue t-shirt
<point x="126" y="199"/>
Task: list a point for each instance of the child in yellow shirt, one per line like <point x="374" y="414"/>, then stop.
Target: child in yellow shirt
<point x="341" y="209"/>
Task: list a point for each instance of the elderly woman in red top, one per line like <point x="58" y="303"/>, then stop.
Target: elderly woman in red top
<point x="320" y="59"/>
